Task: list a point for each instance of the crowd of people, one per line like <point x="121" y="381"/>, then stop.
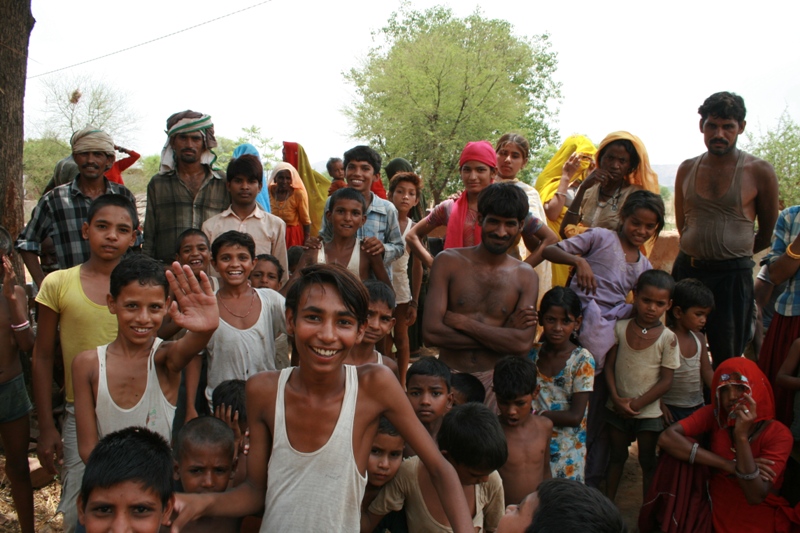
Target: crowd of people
<point x="244" y="362"/>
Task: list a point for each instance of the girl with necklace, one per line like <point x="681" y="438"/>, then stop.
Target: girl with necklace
<point x="288" y="200"/>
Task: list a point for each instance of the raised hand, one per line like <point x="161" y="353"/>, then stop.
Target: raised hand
<point x="195" y="306"/>
<point x="9" y="280"/>
<point x="584" y="277"/>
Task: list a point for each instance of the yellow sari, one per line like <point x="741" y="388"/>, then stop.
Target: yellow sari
<point x="316" y="184"/>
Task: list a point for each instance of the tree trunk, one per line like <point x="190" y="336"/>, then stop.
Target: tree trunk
<point x="15" y="32"/>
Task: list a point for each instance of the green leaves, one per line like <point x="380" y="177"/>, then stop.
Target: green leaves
<point x="781" y="148"/>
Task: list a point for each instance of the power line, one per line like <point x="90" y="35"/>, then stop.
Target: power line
<point x="151" y="40"/>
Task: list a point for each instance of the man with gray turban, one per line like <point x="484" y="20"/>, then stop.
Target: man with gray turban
<point x="61" y="212"/>
<point x="187" y="190"/>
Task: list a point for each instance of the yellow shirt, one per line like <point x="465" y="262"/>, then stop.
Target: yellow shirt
<point x="83" y="324"/>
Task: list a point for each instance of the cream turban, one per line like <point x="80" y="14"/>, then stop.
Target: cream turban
<point x="91" y="140"/>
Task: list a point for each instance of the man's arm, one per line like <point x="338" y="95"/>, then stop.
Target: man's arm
<point x="679" y="193"/>
<point x="28" y="244"/>
<point x="84" y="367"/>
<point x="784" y="267"/>
<point x="545" y="237"/>
<point x="49" y="441"/>
<point x="281" y="253"/>
<point x="766" y="204"/>
<point x="31" y="260"/>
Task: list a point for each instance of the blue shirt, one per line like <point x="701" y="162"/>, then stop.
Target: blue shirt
<point x="786" y="230"/>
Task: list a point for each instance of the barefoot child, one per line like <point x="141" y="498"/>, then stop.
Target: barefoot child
<point x="15" y="336"/>
<point x="303" y="421"/>
<point x="205" y="461"/>
<point x="385" y="459"/>
<point x="564" y="381"/>
<point x="127" y="485"/>
<point x="428" y="390"/>
<point x="73" y="307"/>
<point x="472" y="441"/>
<point x="692" y="301"/>
<point x="134" y="380"/>
<point x="527" y="434"/>
<point x="379" y="324"/>
<point x="639" y="372"/>
<point x="404" y="192"/>
<point x="345" y="215"/>
<point x="267" y="274"/>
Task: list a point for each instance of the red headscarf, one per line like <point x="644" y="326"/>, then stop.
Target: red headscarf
<point x="744" y="372"/>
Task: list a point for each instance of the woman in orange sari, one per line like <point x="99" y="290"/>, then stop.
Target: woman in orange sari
<point x="289" y="201"/>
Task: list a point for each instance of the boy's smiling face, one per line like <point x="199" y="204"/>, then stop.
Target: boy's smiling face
<point x="346" y="217"/>
<point x="429" y="397"/>
<point x="140" y="310"/>
<point x="204" y="469"/>
<point x="234" y="264"/>
<point x="110" y="233"/>
<point x="195" y="253"/>
<point x="126" y="506"/>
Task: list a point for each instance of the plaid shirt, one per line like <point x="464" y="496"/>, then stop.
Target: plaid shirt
<point x="60" y="214"/>
<point x="171" y="209"/>
<point x="786" y="230"/>
<point x="381" y="223"/>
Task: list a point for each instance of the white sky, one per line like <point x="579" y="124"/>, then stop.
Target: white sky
<point x="640" y="66"/>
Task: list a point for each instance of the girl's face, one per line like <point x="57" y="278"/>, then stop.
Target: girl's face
<point x="640" y="227"/>
<point x="510" y="160"/>
<point x="476" y="176"/>
<point x="404" y="197"/>
<point x="559" y="325"/>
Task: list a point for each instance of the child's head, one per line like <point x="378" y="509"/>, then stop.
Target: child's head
<point x="113" y="200"/>
<point x="245" y="177"/>
<point x="514" y="383"/>
<point x="642" y="217"/>
<point x="233" y="254"/>
<point x="652" y="295"/>
<point x="110" y="226"/>
<point x="404" y="191"/>
<point x="692" y="302"/>
<point x="428" y="388"/>
<point x="347" y="211"/>
<point x="205" y="452"/>
<point x="293" y="257"/>
<point x="380" y="317"/>
<point x="467" y="388"/>
<point x="127" y="469"/>
<point x="560" y="315"/>
<point x="335" y="168"/>
<point x="362" y="153"/>
<point x="267" y="272"/>
<point x="513" y="151"/>
<point x="139" y="297"/>
<point x="477" y="166"/>
<point x="386" y="454"/>
<point x="193" y="250"/>
<point x="231" y="394"/>
<point x="473" y="441"/>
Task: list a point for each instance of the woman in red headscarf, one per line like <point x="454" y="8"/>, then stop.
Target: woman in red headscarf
<point x="747" y="452"/>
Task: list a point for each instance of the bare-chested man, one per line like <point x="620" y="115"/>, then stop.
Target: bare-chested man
<point x="718" y="197"/>
<point x="481" y="301"/>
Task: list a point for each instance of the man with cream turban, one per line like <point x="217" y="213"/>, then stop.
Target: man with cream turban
<point x="61" y="212"/>
<point x="188" y="189"/>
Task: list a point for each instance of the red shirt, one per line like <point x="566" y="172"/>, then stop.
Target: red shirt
<point x="115" y="172"/>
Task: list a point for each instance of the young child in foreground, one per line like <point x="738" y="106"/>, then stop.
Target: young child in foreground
<point x="428" y="391"/>
<point x="379" y="324"/>
<point x="638" y="374"/>
<point x="205" y="461"/>
<point x="134" y="380"/>
<point x="322" y="404"/>
<point x="527" y="434"/>
<point x="467" y="388"/>
<point x="267" y="274"/>
<point x="471" y="439"/>
<point x="15" y="336"/>
<point x="691" y="303"/>
<point x="565" y="379"/>
<point x="127" y="485"/>
<point x="385" y="459"/>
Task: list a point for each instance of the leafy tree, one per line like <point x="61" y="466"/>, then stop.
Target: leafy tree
<point x="39" y="157"/>
<point x="264" y="145"/>
<point x="436" y="82"/>
<point x="781" y="148"/>
<point x="666" y="194"/>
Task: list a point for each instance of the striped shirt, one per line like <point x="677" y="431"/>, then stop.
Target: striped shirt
<point x="786" y="231"/>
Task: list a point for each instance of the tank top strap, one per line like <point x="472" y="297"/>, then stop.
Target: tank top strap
<point x="151" y="364"/>
<point x="102" y="381"/>
<point x="736" y="183"/>
<point x="699" y="350"/>
<point x="280" y="411"/>
<point x="354" y="265"/>
<point x="348" y="411"/>
<point x="692" y="176"/>
<point x="380" y="357"/>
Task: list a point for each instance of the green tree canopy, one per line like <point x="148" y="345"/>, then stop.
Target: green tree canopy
<point x="39" y="157"/>
<point x="437" y="82"/>
<point x="268" y="149"/>
<point x="781" y="148"/>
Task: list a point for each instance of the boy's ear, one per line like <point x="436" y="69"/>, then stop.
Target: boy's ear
<point x="362" y="328"/>
<point x="85" y="231"/>
<point x="167" y="515"/>
<point x="676" y="311"/>
<point x="176" y="470"/>
<point x="450" y="399"/>
<point x="394" y="321"/>
<point x="81" y="511"/>
<point x="111" y="303"/>
<point x="289" y="322"/>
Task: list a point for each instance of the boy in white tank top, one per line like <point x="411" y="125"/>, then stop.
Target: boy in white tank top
<point x="308" y="417"/>
<point x="379" y="323"/>
<point x="134" y="380"/>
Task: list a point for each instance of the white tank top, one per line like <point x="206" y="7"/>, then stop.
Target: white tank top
<point x="153" y="410"/>
<point x="353" y="266"/>
<point x="315" y="491"/>
<point x="687" y="383"/>
<point x="400" y="281"/>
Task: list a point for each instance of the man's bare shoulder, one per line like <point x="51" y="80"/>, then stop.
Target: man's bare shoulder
<point x="758" y="167"/>
<point x="451" y="256"/>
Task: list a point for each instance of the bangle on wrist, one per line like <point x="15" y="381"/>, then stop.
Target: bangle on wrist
<point x="561" y="194"/>
<point x="20" y="327"/>
<point x="790" y="253"/>
<point x="747" y="477"/>
<point x="414" y="304"/>
<point x="692" y="455"/>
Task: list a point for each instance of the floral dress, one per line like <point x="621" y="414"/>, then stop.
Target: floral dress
<point x="568" y="444"/>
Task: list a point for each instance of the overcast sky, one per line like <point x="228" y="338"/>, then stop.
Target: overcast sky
<point x="639" y="66"/>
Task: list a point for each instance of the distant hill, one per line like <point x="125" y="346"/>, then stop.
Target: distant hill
<point x="666" y="174"/>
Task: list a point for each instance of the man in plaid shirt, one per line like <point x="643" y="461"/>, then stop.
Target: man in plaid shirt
<point x="61" y="212"/>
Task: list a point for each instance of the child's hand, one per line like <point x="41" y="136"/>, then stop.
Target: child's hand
<point x="9" y="280"/>
<point x="585" y="277"/>
<point x="372" y="246"/>
<point x="411" y="315"/>
<point x="523" y="318"/>
<point x="195" y="306"/>
<point x="623" y="407"/>
<point x="313" y="243"/>
<point x="667" y="414"/>
<point x="230" y="417"/>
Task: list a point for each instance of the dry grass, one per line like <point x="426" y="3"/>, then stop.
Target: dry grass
<point x="45" y="502"/>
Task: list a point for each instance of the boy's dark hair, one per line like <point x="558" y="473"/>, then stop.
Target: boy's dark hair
<point x="380" y="292"/>
<point x="137" y="268"/>
<point x="113" y="200"/>
<point x="231" y="393"/>
<point x="293" y="256"/>
<point x="274" y="260"/>
<point x="6" y="242"/>
<point x="233" y="238"/>
<point x="723" y="105"/>
<point x="363" y="153"/>
<point x="329" y="165"/>
<point x="568" y="505"/>
<point x="205" y="431"/>
<point x="472" y="436"/>
<point x="644" y="200"/>
<point x="656" y="278"/>
<point x="408" y="177"/>
<point x="514" y="138"/>
<point x="387" y="428"/>
<point x="633" y="155"/>
<point x="470" y="386"/>
<point x="346" y="193"/>
<point x="248" y="166"/>
<point x="692" y="292"/>
<point x="350" y="289"/>
<point x="189" y="233"/>
<point x="131" y="454"/>
<point x="430" y="366"/>
<point x="514" y="377"/>
<point x="503" y="200"/>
